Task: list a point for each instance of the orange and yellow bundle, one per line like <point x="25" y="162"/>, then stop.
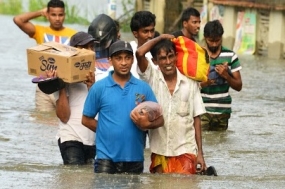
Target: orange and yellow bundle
<point x="192" y="59"/>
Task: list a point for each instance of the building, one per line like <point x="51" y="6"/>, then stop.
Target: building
<point x="251" y="26"/>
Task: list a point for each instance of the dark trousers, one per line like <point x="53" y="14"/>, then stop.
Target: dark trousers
<point x="108" y="166"/>
<point x="76" y="153"/>
<point x="215" y="122"/>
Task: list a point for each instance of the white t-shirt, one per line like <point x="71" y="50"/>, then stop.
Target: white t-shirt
<point x="73" y="129"/>
<point x="134" y="68"/>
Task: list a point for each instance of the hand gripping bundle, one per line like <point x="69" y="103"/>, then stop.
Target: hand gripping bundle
<point x="153" y="109"/>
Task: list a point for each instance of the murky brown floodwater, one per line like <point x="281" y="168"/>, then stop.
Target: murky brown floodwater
<point x="251" y="154"/>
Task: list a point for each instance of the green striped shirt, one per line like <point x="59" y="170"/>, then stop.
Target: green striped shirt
<point x="216" y="98"/>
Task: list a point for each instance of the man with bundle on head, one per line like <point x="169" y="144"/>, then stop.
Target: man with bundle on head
<point x="55" y="13"/>
<point x="76" y="142"/>
<point x="176" y="146"/>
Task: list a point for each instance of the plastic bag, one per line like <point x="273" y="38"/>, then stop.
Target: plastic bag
<point x="153" y="109"/>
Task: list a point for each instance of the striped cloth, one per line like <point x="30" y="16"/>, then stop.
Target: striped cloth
<point x="192" y="59"/>
<point x="182" y="164"/>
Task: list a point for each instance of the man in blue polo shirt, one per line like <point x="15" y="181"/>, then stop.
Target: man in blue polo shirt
<point x="120" y="140"/>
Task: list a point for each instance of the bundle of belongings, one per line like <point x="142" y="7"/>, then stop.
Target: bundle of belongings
<point x="192" y="59"/>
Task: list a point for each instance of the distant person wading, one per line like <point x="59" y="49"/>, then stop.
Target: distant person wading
<point x="55" y="14"/>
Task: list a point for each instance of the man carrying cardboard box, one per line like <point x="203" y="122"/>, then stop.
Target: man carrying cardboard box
<point x="55" y="13"/>
<point x="76" y="142"/>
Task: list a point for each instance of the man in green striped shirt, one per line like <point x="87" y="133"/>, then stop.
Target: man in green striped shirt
<point x="224" y="73"/>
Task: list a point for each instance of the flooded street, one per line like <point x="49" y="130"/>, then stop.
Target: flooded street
<point x="251" y="154"/>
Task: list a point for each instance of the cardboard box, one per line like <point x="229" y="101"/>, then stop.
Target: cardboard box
<point x="72" y="64"/>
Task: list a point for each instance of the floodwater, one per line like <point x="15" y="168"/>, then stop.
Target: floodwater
<point x="251" y="154"/>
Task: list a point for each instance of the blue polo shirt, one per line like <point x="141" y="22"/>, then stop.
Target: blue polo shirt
<point x="117" y="137"/>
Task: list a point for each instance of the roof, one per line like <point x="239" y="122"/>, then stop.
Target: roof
<point x="259" y="4"/>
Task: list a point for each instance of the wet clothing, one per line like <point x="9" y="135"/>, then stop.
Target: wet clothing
<point x="108" y="166"/>
<point x="44" y="102"/>
<point x="73" y="130"/>
<point x="76" y="153"/>
<point x="117" y="138"/>
<point x="177" y="136"/>
<point x="216" y="97"/>
<point x="215" y="122"/>
<point x="183" y="164"/>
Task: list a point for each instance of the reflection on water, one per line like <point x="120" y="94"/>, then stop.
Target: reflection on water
<point x="249" y="155"/>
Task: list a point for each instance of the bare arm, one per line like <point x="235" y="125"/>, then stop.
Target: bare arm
<point x="142" y="50"/>
<point x="90" y="79"/>
<point x="198" y="137"/>
<point x="89" y="122"/>
<point x="23" y="21"/>
<point x="234" y="81"/>
<point x="62" y="106"/>
<point x="207" y="83"/>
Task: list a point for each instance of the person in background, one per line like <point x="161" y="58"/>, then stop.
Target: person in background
<point x="224" y="74"/>
<point x="104" y="30"/>
<point x="143" y="28"/>
<point x="190" y="22"/>
<point x="118" y="29"/>
<point x="176" y="147"/>
<point x="120" y="140"/>
<point x="55" y="14"/>
<point x="76" y="142"/>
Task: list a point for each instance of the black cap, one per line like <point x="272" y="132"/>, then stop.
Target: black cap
<point x="80" y="39"/>
<point x="120" y="46"/>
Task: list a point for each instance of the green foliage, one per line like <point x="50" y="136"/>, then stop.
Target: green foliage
<point x="71" y="12"/>
<point x="10" y="7"/>
<point x="71" y="15"/>
<point x="125" y="19"/>
<point x="35" y="5"/>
